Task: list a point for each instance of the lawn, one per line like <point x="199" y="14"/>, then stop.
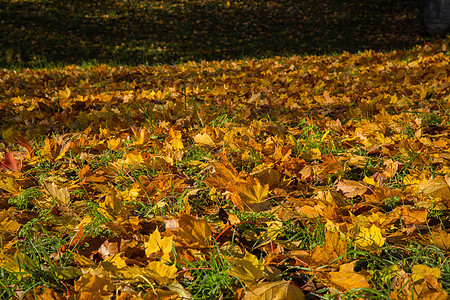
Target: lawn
<point x="51" y="32"/>
<point x="213" y="150"/>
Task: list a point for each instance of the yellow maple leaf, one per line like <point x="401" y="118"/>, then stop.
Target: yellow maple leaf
<point x="420" y="271"/>
<point x="17" y="264"/>
<point x="176" y="140"/>
<point x="248" y="269"/>
<point x="114" y="144"/>
<point x="204" y="139"/>
<point x="274" y="290"/>
<point x="155" y="270"/>
<point x="256" y="193"/>
<point x="155" y="244"/>
<point x="346" y="279"/>
<point x="370" y="238"/>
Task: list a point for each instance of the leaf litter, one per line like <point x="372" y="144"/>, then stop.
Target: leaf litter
<point x="274" y="178"/>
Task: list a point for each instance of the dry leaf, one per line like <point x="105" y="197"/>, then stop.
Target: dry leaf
<point x="157" y="244"/>
<point x="204" y="139"/>
<point x="351" y="188"/>
<point x="248" y="269"/>
<point x="279" y="290"/>
<point x="346" y="279"/>
<point x="370" y="238"/>
<point x="60" y="195"/>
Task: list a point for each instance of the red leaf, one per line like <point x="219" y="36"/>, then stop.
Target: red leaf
<point x="10" y="163"/>
<point x="24" y="143"/>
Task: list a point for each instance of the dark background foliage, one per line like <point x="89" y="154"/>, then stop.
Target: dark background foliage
<point x="34" y="33"/>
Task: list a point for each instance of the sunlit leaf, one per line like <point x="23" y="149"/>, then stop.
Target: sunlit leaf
<point x="274" y="290"/>
<point x="346" y="279"/>
<point x="420" y="271"/>
<point x="370" y="238"/>
<point x="60" y="195"/>
<point x="157" y="244"/>
<point x="248" y="269"/>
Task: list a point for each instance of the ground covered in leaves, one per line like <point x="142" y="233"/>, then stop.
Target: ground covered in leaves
<point x="315" y="176"/>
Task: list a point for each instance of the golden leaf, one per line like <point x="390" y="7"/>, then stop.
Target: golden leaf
<point x="279" y="290"/>
<point x="155" y="244"/>
<point x="441" y="238"/>
<point x="17" y="264"/>
<point x="334" y="247"/>
<point x="9" y="183"/>
<point x="346" y="279"/>
<point x="204" y="139"/>
<point x="420" y="271"/>
<point x="351" y="188"/>
<point x="370" y="238"/>
<point x="248" y="269"/>
<point x="256" y="192"/>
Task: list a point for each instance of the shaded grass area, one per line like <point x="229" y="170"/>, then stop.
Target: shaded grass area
<point x="37" y="33"/>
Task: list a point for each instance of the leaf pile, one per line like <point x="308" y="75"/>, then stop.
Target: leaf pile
<point x="38" y="32"/>
<point x="319" y="175"/>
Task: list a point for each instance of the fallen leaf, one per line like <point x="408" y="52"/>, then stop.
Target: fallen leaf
<point x="60" y="195"/>
<point x="254" y="192"/>
<point x="346" y="279"/>
<point x="91" y="286"/>
<point x="157" y="244"/>
<point x="370" y="238"/>
<point x="420" y="271"/>
<point x="248" y="269"/>
<point x="441" y="239"/>
<point x="204" y="139"/>
<point x="334" y="248"/>
<point x="279" y="290"/>
<point x="351" y="188"/>
<point x="191" y="231"/>
<point x="10" y="163"/>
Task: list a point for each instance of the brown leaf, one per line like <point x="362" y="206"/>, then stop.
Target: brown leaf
<point x="24" y="143"/>
<point x="441" y="239"/>
<point x="110" y="247"/>
<point x="279" y="290"/>
<point x="416" y="216"/>
<point x="224" y="177"/>
<point x="49" y="294"/>
<point x="191" y="231"/>
<point x="61" y="195"/>
<point x="351" y="188"/>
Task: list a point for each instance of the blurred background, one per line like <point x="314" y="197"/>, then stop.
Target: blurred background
<point x="35" y="33"/>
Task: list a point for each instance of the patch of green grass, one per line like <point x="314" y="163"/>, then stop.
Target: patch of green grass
<point x="305" y="234"/>
<point x="433" y="119"/>
<point x="94" y="228"/>
<point x="211" y="278"/>
<point x="38" y="260"/>
<point x="24" y="199"/>
<point x="194" y="153"/>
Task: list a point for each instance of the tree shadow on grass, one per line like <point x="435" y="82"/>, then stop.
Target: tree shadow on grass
<point x="35" y="33"/>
